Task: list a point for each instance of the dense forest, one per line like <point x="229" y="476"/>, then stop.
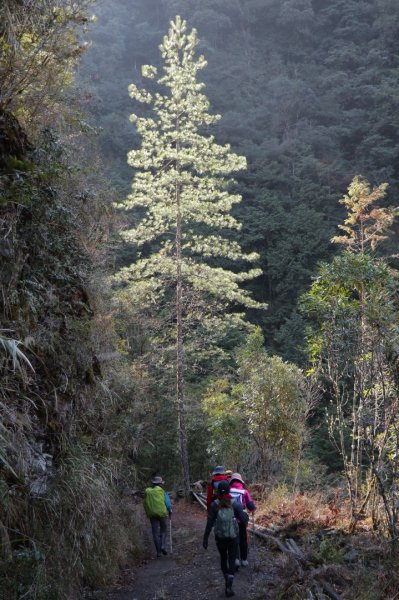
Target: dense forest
<point x="199" y="267"/>
<point x="308" y="115"/>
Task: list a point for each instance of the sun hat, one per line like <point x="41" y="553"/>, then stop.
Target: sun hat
<point x="218" y="470"/>
<point x="157" y="480"/>
<point x="237" y="477"/>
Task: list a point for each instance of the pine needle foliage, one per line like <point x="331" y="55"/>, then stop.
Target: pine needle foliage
<point x="366" y="224"/>
<point x="181" y="177"/>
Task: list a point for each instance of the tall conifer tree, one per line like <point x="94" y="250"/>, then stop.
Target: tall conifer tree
<point x="181" y="184"/>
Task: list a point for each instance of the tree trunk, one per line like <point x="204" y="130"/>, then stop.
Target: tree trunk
<point x="181" y="417"/>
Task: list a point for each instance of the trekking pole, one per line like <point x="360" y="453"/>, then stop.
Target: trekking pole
<point x="170" y="536"/>
<point x="253" y="541"/>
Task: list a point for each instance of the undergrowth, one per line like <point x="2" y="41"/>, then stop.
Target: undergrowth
<point x="359" y="566"/>
<point x="312" y="510"/>
<point x="64" y="436"/>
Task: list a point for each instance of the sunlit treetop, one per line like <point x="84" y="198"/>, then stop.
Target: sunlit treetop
<point x="366" y="224"/>
<point x="182" y="178"/>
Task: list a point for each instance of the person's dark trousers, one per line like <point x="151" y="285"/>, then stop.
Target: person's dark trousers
<point x="158" y="526"/>
<point x="228" y="554"/>
<point x="243" y="541"/>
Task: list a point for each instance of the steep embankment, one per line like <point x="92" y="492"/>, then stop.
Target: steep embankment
<point x="62" y="524"/>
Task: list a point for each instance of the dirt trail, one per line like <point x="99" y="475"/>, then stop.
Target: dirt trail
<point x="192" y="573"/>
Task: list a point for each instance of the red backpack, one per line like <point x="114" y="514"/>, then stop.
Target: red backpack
<point x="212" y="488"/>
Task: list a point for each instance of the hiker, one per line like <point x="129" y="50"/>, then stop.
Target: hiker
<point x="240" y="494"/>
<point x="223" y="515"/>
<point x="218" y="475"/>
<point x="157" y="507"/>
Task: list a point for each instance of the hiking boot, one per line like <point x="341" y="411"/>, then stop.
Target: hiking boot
<point x="238" y="562"/>
<point x="244" y="563"/>
<point x="164" y="551"/>
<point x="229" y="586"/>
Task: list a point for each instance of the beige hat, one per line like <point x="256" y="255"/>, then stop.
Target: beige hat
<point x="157" y="480"/>
<point x="236" y="477"/>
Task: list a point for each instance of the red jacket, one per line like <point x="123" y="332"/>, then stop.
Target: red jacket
<point x="211" y="489"/>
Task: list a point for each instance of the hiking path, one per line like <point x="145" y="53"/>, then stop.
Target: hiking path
<point x="190" y="572"/>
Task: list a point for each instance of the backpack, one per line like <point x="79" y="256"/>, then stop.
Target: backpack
<point x="226" y="526"/>
<point x="154" y="502"/>
<point x="237" y="496"/>
<point x="215" y="482"/>
<point x="212" y="489"/>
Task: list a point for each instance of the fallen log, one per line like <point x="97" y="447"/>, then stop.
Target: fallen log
<point x="328" y="589"/>
<point x="269" y="538"/>
<point x="294" y="548"/>
<point x="199" y="499"/>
